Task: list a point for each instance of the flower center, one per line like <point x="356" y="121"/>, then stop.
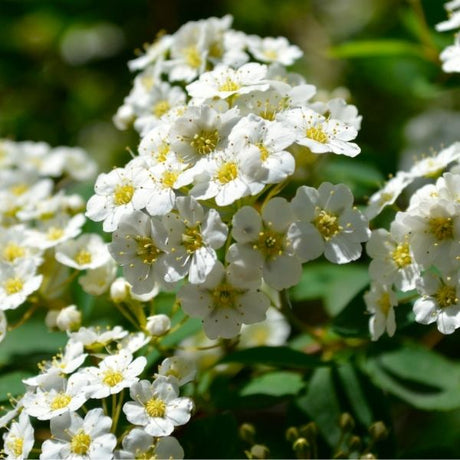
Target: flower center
<point x="192" y="57"/>
<point x="54" y="233"/>
<point x="12" y="251"/>
<point x="146" y="249"/>
<point x="123" y="194"/>
<point x="16" y="445"/>
<point x="83" y="257"/>
<point x="80" y="443"/>
<point x="270" y="54"/>
<point x="224" y="296"/>
<point x="111" y="377"/>
<point x="384" y="303"/>
<point x="205" y="142"/>
<point x="169" y="179"/>
<point x="270" y="243"/>
<point x="155" y="407"/>
<point x="19" y="189"/>
<point x="13" y="285"/>
<point x="160" y="108"/>
<point x="446" y="296"/>
<point x="192" y="239"/>
<point x="264" y="154"/>
<point x="401" y="256"/>
<point x="327" y="224"/>
<point x="441" y="227"/>
<point x="162" y="153"/>
<point x="227" y="172"/>
<point x="317" y="134"/>
<point x="60" y="401"/>
<point x="229" y="85"/>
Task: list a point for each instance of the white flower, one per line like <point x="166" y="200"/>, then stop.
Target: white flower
<point x="97" y="338"/>
<point x="80" y="439"/>
<point x="3" y="325"/>
<point x="227" y="299"/>
<point x="157" y="406"/>
<point x="155" y="146"/>
<point x="113" y="374"/>
<point x="133" y="342"/>
<point x="69" y="318"/>
<point x="19" y="440"/>
<point x="450" y="57"/>
<point x="116" y="195"/>
<point x="319" y="134"/>
<point x="139" y="246"/>
<point x="439" y="302"/>
<point x="17" y="282"/>
<point x="194" y="236"/>
<point x="273" y="331"/>
<point x="178" y="368"/>
<point x="224" y="82"/>
<point x="329" y="212"/>
<point x="16" y="245"/>
<point x="137" y="442"/>
<point x="98" y="280"/>
<point x="158" y="325"/>
<point x="272" y="49"/>
<point x="88" y="251"/>
<point x="63" y="396"/>
<point x="380" y="302"/>
<point x="270" y="242"/>
<point x="434" y="165"/>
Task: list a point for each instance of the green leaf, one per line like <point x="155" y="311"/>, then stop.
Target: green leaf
<point x="11" y="383"/>
<point x="321" y="403"/>
<point x="376" y="48"/>
<point x="274" y="384"/>
<point x="417" y="375"/>
<point x="274" y="356"/>
<point x="352" y="387"/>
<point x="336" y="285"/>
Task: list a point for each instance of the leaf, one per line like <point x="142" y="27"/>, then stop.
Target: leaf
<point x="321" y="403"/>
<point x="376" y="48"/>
<point x="336" y="285"/>
<point x="274" y="384"/>
<point x="273" y="356"/>
<point x="353" y="390"/>
<point x="419" y="376"/>
<point x="11" y="383"/>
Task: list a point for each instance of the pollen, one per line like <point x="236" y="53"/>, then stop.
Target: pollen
<point x="317" y="134"/>
<point x="54" y="233"/>
<point x="60" y="401"/>
<point x="19" y="189"/>
<point x="155" y="407"/>
<point x="401" y="256"/>
<point x="13" y="285"/>
<point x="192" y="239"/>
<point x="169" y="179"/>
<point x="192" y="57"/>
<point x="160" y="108"/>
<point x="12" y="251"/>
<point x="227" y="172"/>
<point x="446" y="296"/>
<point x="146" y="249"/>
<point x="83" y="257"/>
<point x="264" y="154"/>
<point x="384" y="303"/>
<point x="123" y="194"/>
<point x="224" y="295"/>
<point x="327" y="224"/>
<point x="441" y="227"/>
<point x="80" y="443"/>
<point x="111" y="377"/>
<point x="163" y="151"/>
<point x="16" y="445"/>
<point x="270" y="243"/>
<point x="271" y="54"/>
<point x="205" y="142"/>
<point x="229" y="85"/>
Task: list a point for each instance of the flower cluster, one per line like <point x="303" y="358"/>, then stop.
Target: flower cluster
<point x="69" y="394"/>
<point x="419" y="253"/>
<point x="38" y="221"/>
<point x="198" y="203"/>
<point x="451" y="55"/>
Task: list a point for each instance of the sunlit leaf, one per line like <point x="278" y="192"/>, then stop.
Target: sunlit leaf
<point x="376" y="48"/>
<point x="274" y="384"/>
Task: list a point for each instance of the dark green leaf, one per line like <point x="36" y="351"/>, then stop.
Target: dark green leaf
<point x="274" y="384"/>
<point x="12" y="384"/>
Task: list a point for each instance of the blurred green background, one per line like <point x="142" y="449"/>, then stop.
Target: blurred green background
<point x="63" y="74"/>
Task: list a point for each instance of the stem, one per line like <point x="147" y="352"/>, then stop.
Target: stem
<point x="24" y="318"/>
<point x="126" y="315"/>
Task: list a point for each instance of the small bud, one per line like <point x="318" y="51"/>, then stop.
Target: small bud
<point x="50" y="319"/>
<point x="301" y="448"/>
<point x="309" y="431"/>
<point x="259" y="451"/>
<point x="346" y="422"/>
<point x="368" y="456"/>
<point x="247" y="432"/>
<point x="292" y="433"/>
<point x="340" y="454"/>
<point x="158" y="325"/>
<point x="68" y="319"/>
<point x="354" y="443"/>
<point x="378" y="431"/>
<point x="119" y="290"/>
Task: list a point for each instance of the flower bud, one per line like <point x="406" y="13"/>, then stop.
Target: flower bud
<point x="259" y="451"/>
<point x="50" y="319"/>
<point x="346" y="422"/>
<point x="378" y="431"/>
<point x="158" y="325"/>
<point x="354" y="443"/>
<point x="247" y="432"/>
<point x="301" y="448"/>
<point x="292" y="433"/>
<point x="68" y="319"/>
<point x="119" y="290"/>
<point x="309" y="431"/>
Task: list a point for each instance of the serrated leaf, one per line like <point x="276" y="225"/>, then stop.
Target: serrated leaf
<point x="273" y="356"/>
<point x="376" y="48"/>
<point x="274" y="384"/>
<point x="417" y="375"/>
